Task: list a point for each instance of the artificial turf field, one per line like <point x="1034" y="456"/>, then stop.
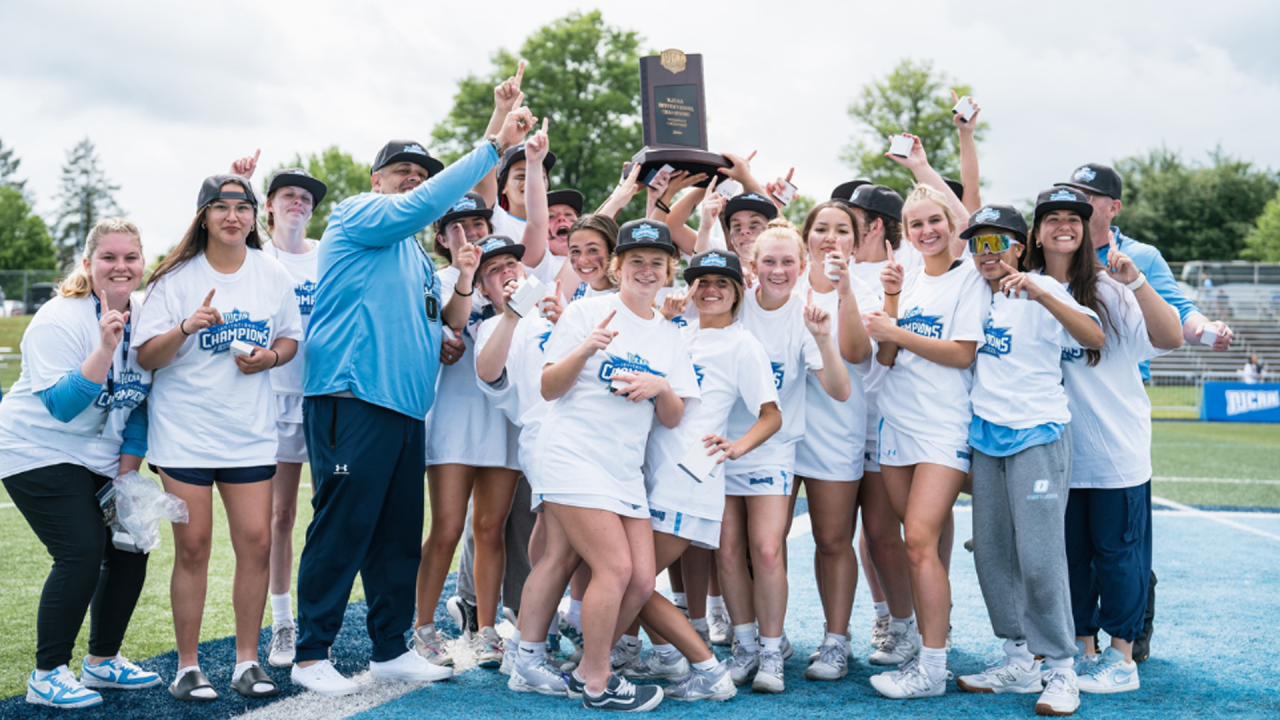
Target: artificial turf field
<point x="1217" y="550"/>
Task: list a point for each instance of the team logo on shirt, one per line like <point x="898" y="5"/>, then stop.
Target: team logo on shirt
<point x="236" y="325"/>
<point x="1084" y="174"/>
<point x="778" y="374"/>
<point x="998" y="341"/>
<point x="916" y="321"/>
<point x="701" y="372"/>
<point x="580" y="293"/>
<point x="987" y="215"/>
<point x="129" y="393"/>
<point x="542" y="340"/>
<point x="679" y="321"/>
<point x="632" y="363"/>
<point x="1072" y="354"/>
<point x="306" y="294"/>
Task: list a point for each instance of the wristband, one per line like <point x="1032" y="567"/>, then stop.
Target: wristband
<point x="1142" y="280"/>
<point x="277" y="362"/>
<point x="897" y="293"/>
<point x="662" y="206"/>
<point x="181" y="326"/>
<point x="458" y="292"/>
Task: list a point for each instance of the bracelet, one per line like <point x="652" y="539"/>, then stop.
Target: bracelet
<point x="1142" y="280"/>
<point x="661" y="205"/>
<point x="458" y="292"/>
<point x="277" y="362"/>
<point x="897" y="293"/>
<point x="182" y="327"/>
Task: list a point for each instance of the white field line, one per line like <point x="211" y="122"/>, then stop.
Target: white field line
<point x="1215" y="517"/>
<point x="1227" y="481"/>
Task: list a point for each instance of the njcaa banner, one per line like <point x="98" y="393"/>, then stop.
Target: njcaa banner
<point x="1240" y="402"/>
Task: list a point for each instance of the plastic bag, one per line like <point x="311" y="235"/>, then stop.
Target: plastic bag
<point x="133" y="507"/>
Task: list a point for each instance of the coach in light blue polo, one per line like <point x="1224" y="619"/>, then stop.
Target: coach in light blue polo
<point x="373" y="350"/>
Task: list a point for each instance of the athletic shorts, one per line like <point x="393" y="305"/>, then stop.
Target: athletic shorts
<point x="871" y="457"/>
<point x="764" y="481"/>
<point x="292" y="438"/>
<point x="897" y="449"/>
<point x="593" y="502"/>
<point x="206" y="477"/>
<point x="701" y="532"/>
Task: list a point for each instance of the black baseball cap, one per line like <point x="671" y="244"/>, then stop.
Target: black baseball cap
<point x="211" y="189"/>
<point x="956" y="186"/>
<point x="1096" y="179"/>
<point x="572" y="198"/>
<point x="495" y="245"/>
<point x="755" y="202"/>
<point x="714" y="262"/>
<point x="514" y="154"/>
<point x="644" y="234"/>
<point x="1000" y="217"/>
<point x="878" y="199"/>
<point x="406" y="151"/>
<point x="471" y="205"/>
<point x="1062" y="197"/>
<point x="844" y="190"/>
<point x="297" y="177"/>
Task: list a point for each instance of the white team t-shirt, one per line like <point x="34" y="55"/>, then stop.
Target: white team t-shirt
<point x="594" y="441"/>
<point x="835" y="432"/>
<point x="1110" y="410"/>
<point x="1017" y="379"/>
<point x="518" y="396"/>
<point x="463" y="427"/>
<point x="873" y="379"/>
<point x="547" y="270"/>
<point x="63" y="333"/>
<point x="504" y="223"/>
<point x="923" y="399"/>
<point x="204" y="412"/>
<point x="732" y="367"/>
<point x="792" y="353"/>
<point x="304" y="268"/>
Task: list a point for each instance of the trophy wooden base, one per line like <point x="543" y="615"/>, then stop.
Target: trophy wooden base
<point x="691" y="159"/>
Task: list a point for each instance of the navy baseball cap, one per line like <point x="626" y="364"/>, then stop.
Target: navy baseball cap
<point x="1000" y="217"/>
<point x="297" y="177"/>
<point x="211" y="189"/>
<point x="471" y="205"/>
<point x="644" y="234"/>
<point x="496" y="245"/>
<point x="1095" y="179"/>
<point x="1061" y="197"/>
<point x="407" y="151"/>
<point x="714" y="262"/>
<point x="755" y="202"/>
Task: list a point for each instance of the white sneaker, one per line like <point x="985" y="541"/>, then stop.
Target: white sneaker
<point x="1110" y="674"/>
<point x="1003" y="675"/>
<point x="672" y="667"/>
<point x="283" y="642"/>
<point x="540" y="678"/>
<point x="832" y="662"/>
<point x="489" y="648"/>
<point x="908" y="683"/>
<point x="719" y="627"/>
<point x="743" y="665"/>
<point x="769" y="678"/>
<point x="787" y="650"/>
<point x="1061" y="694"/>
<point x="430" y="645"/>
<point x="848" y="643"/>
<point x="322" y="678"/>
<point x="409" y="667"/>
<point x="626" y="661"/>
<point x="879" y="631"/>
<point x="902" y="644"/>
<point x="714" y="684"/>
<point x="60" y="689"/>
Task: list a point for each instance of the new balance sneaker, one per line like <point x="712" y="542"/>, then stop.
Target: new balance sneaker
<point x="832" y="662"/>
<point x="902" y="644"/>
<point x="714" y="684"/>
<point x="489" y="648"/>
<point x="1003" y="675"/>
<point x="428" y="643"/>
<point x="910" y="682"/>
<point x="621" y="696"/>
<point x="322" y="678"/>
<point x="60" y="689"/>
<point x="410" y="667"/>
<point x="626" y="661"/>
<point x="719" y="626"/>
<point x="464" y="615"/>
<point x="540" y="678"/>
<point x="879" y="631"/>
<point x="743" y="665"/>
<point x="1061" y="694"/>
<point x="1110" y="674"/>
<point x="283" y="641"/>
<point x="769" y="677"/>
<point x="118" y="674"/>
<point x="671" y="667"/>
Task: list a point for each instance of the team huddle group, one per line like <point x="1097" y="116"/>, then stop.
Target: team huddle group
<point x="590" y="415"/>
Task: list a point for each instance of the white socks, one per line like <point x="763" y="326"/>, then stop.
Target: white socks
<point x="706" y="665"/>
<point x="206" y="692"/>
<point x="934" y="662"/>
<point x="746" y="637"/>
<point x="574" y="617"/>
<point x="282" y="609"/>
<point x="715" y="602"/>
<point x="768" y="644"/>
<point x="1017" y="651"/>
<point x="882" y="609"/>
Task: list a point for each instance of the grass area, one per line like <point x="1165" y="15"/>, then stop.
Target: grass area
<point x="1244" y="451"/>
<point x="1169" y="396"/>
<point x="11" y="330"/>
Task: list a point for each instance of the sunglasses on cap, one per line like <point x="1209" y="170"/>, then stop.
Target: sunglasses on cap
<point x="993" y="244"/>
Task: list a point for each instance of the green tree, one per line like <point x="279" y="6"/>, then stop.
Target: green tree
<point x="585" y="77"/>
<point x="8" y="167"/>
<point x="798" y="209"/>
<point x="1263" y="241"/>
<point x="1192" y="211"/>
<point x="85" y="196"/>
<point x="25" y="243"/>
<point x="339" y="171"/>
<point x="912" y="98"/>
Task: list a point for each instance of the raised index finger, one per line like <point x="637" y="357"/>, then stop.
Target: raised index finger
<point x="1005" y="265"/>
<point x="519" y="74"/>
<point x="790" y="172"/>
<point x="1111" y="242"/>
<point x="605" y="323"/>
<point x="209" y="298"/>
<point x="888" y="246"/>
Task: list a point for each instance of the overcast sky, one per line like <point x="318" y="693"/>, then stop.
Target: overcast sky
<point x="172" y="92"/>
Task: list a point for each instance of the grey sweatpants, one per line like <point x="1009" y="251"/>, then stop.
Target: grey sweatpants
<point x="1019" y="506"/>
<point x="519" y="527"/>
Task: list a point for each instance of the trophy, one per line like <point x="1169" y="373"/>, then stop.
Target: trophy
<point x="673" y="116"/>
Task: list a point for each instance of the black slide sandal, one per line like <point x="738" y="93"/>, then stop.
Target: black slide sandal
<point x="251" y="677"/>
<point x="195" y="680"/>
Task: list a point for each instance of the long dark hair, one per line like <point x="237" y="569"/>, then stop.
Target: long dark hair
<point x="1082" y="278"/>
<point x="812" y="218"/>
<point x="195" y="240"/>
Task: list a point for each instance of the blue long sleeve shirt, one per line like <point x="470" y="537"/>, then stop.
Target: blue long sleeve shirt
<point x="1148" y="259"/>
<point x="73" y="394"/>
<point x="376" y="327"/>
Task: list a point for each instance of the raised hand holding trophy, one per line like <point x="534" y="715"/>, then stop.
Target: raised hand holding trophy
<point x="673" y="116"/>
